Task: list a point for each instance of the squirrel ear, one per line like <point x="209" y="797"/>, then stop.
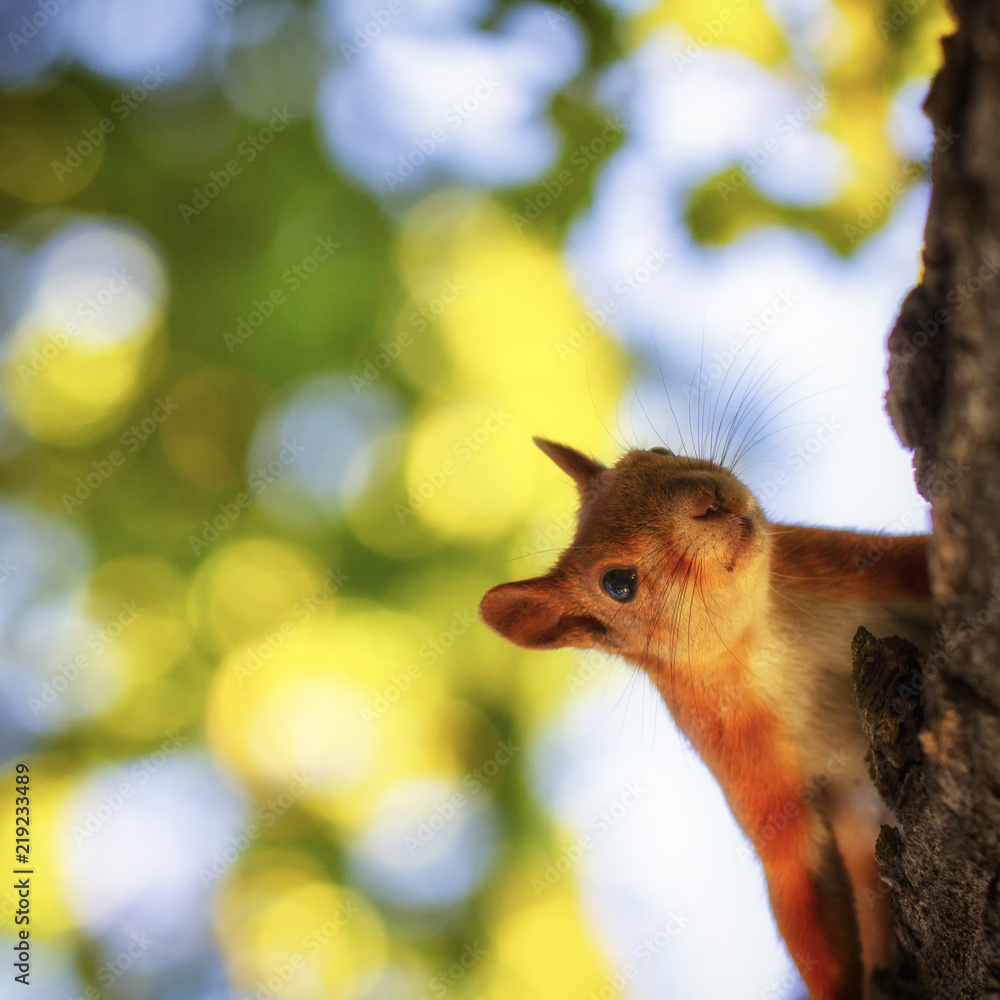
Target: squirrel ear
<point x="534" y="614"/>
<point x="574" y="463"/>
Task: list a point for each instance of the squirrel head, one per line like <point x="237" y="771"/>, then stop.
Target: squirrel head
<point x="669" y="559"/>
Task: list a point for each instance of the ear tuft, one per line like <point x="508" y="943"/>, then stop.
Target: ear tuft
<point x="534" y="614"/>
<point x="574" y="463"/>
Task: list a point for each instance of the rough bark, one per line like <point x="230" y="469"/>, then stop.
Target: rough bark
<point x="936" y="754"/>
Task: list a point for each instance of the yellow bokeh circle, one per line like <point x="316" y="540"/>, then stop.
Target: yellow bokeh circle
<point x="287" y="931"/>
<point x="471" y="473"/>
<point x="260" y="586"/>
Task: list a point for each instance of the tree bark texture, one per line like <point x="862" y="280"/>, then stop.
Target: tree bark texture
<point x="934" y="721"/>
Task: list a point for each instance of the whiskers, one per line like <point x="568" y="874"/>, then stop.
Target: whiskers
<point x="649" y="606"/>
<point x="727" y="417"/>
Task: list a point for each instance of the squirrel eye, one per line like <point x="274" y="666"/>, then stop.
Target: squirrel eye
<point x="662" y="451"/>
<point x="619" y="584"/>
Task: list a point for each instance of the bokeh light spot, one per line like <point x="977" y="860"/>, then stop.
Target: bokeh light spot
<point x="49" y="147"/>
<point x="322" y="448"/>
<point x="205" y="438"/>
<point x="289" y="932"/>
<point x="470" y="474"/>
<point x="428" y="844"/>
<point x="250" y="588"/>
<point x="81" y="347"/>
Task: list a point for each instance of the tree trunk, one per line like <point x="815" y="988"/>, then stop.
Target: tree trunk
<point x="935" y="722"/>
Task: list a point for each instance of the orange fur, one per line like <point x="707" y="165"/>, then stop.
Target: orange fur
<point x="745" y="628"/>
<point x="849" y="564"/>
<point x="752" y="754"/>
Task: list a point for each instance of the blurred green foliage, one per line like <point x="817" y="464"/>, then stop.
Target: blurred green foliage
<point x="212" y="596"/>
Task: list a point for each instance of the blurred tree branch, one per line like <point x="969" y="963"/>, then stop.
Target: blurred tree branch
<point x="935" y="722"/>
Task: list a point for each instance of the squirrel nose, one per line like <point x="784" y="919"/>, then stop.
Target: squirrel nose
<point x="703" y="501"/>
<point x="706" y="500"/>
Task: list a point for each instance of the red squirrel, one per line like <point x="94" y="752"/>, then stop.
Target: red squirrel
<point x="745" y="628"/>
